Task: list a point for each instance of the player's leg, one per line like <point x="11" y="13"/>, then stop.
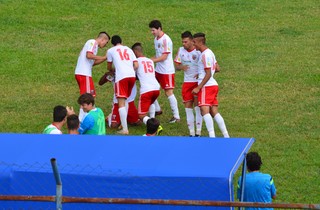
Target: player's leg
<point x="205" y="104"/>
<point x="133" y="116"/>
<point x="208" y="120"/>
<point x="86" y="85"/>
<point x="198" y="117"/>
<point x="215" y="114"/>
<point x="220" y="121"/>
<point x="174" y="105"/>
<point x="123" y="115"/>
<point x="190" y="117"/>
<point x="156" y="103"/>
<point x="143" y="107"/>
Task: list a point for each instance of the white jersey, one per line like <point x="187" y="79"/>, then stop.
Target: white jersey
<point x="190" y="59"/>
<point x="51" y="129"/>
<point x="164" y="45"/>
<point x="84" y="65"/>
<point x="146" y="75"/>
<point x="207" y="60"/>
<point x="122" y="58"/>
<point x="132" y="96"/>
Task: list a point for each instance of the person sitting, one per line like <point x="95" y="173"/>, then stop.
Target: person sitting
<point x="59" y="119"/>
<point x="153" y="127"/>
<point x="73" y="124"/>
<point x="259" y="187"/>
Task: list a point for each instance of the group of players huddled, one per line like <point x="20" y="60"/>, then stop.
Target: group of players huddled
<point x="125" y="65"/>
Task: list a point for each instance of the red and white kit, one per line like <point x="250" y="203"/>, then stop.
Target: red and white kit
<point x="122" y="58"/>
<point x="190" y="59"/>
<point x="207" y="96"/>
<point x="83" y="71"/>
<point x="149" y="86"/>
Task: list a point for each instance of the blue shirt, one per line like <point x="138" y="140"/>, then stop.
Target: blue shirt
<point x="258" y="187"/>
<point x="93" y="123"/>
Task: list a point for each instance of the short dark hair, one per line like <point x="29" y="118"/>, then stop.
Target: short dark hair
<point x="200" y="35"/>
<point x="104" y="33"/>
<point x="86" y="98"/>
<point x="73" y="122"/>
<point x="155" y="24"/>
<point x="187" y="34"/>
<point x="137" y="46"/>
<point x="152" y="125"/>
<point x="59" y="113"/>
<point x="116" y="39"/>
<point x="253" y="161"/>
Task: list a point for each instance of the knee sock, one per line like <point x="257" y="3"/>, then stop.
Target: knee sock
<point x="145" y="119"/>
<point x="174" y="106"/>
<point x="152" y="111"/>
<point x="222" y="126"/>
<point x="198" y="120"/>
<point x="209" y="124"/>
<point x="123" y="118"/>
<point x="190" y="120"/>
<point x="157" y="105"/>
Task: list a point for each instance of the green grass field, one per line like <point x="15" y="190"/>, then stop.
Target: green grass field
<point x="269" y="81"/>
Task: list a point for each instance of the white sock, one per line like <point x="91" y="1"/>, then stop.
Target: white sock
<point x="145" y="119"/>
<point x="222" y="126"/>
<point x="81" y="114"/>
<point x="152" y="111"/>
<point x="190" y="120"/>
<point x="109" y="120"/>
<point x="198" y="120"/>
<point x="174" y="106"/>
<point x="157" y="105"/>
<point x="209" y="124"/>
<point x="123" y="118"/>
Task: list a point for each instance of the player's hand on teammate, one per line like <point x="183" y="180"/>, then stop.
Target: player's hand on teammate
<point x="196" y="90"/>
<point x="70" y="110"/>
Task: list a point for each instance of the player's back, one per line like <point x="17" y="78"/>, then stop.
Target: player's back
<point x="146" y="75"/>
<point x="122" y="58"/>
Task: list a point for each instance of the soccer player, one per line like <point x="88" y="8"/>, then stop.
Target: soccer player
<point x="208" y="88"/>
<point x="88" y="57"/>
<point x="113" y="119"/>
<point x="259" y="187"/>
<point x="149" y="86"/>
<point x="94" y="121"/>
<point x="59" y="119"/>
<point x="73" y="124"/>
<point x="187" y="61"/>
<point x="164" y="66"/>
<point x="125" y="63"/>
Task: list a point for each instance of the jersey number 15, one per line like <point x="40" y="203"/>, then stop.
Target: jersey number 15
<point x="148" y="67"/>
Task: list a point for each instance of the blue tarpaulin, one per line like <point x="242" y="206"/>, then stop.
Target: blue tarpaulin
<point x="180" y="168"/>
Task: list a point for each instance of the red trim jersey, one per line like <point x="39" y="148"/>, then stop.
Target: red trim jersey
<point x="146" y="75"/>
<point x="164" y="45"/>
<point x="189" y="58"/>
<point x="122" y="58"/>
<point x="84" y="65"/>
<point x="207" y="61"/>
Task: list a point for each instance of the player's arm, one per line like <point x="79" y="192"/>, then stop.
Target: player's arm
<point x="98" y="61"/>
<point x="204" y="80"/>
<point x="86" y="124"/>
<point x="160" y="58"/>
<point x="110" y="67"/>
<point x="91" y="56"/>
<point x="135" y="65"/>
<point x="217" y="68"/>
<point x="179" y="66"/>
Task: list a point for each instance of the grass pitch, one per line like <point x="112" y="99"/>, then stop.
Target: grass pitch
<point x="269" y="83"/>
